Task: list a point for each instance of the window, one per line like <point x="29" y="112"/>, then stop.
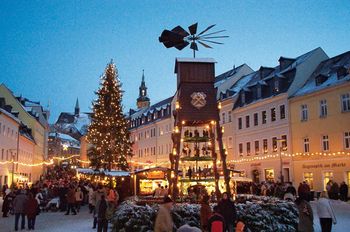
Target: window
<point x="323" y="108"/>
<point x="223" y="118"/>
<point x="240" y="149"/>
<point x="259" y="91"/>
<point x="345" y="102"/>
<point x="309" y="179"/>
<point x="263" y="117"/>
<point x="277" y="88"/>
<point x="2" y="154"/>
<point x="247" y="121"/>
<point x="256" y="143"/>
<point x="347" y="140"/>
<point x="325" y="143"/>
<point x="274" y="144"/>
<point x="282" y="112"/>
<point x="230" y="116"/>
<point x="269" y="175"/>
<point x="265" y="148"/>
<point x="256" y="122"/>
<point x="304" y="114"/>
<point x="248" y="148"/>
<point x="273" y="114"/>
<point x="327" y="176"/>
<point x="306" y="145"/>
<point x="239" y="123"/>
<point x="284" y="142"/>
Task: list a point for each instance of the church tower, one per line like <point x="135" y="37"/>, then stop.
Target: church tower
<point x="143" y="100"/>
<point x="77" y="108"/>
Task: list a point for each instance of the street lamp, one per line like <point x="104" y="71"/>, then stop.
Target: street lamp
<point x="281" y="140"/>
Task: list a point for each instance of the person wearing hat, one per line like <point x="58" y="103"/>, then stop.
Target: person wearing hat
<point x="164" y="221"/>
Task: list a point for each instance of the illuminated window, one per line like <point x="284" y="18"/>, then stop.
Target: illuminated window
<point x="265" y="148"/>
<point x="284" y="142"/>
<point x="274" y="144"/>
<point x="348" y="177"/>
<point x="309" y="178"/>
<point x="327" y="176"/>
<point x="269" y="175"/>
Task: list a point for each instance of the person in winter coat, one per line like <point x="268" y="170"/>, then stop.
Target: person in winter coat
<point x="102" y="223"/>
<point x="325" y="213"/>
<point x="78" y="198"/>
<point x="205" y="213"/>
<point x="97" y="198"/>
<point x="92" y="203"/>
<point x="216" y="222"/>
<point x="343" y="191"/>
<point x="19" y="208"/>
<point x="335" y="191"/>
<point x="6" y="204"/>
<point x="71" y="201"/>
<point x="164" y="221"/>
<point x="306" y="217"/>
<point x="227" y="209"/>
<point x="31" y="208"/>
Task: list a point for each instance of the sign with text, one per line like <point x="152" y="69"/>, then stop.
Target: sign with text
<point x="332" y="165"/>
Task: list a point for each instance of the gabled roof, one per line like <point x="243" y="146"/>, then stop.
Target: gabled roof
<point x="328" y="69"/>
<point x="146" y="110"/>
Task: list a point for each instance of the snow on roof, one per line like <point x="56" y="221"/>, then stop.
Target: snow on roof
<point x="195" y="60"/>
<point x="116" y="173"/>
<point x="10" y="115"/>
<point x="67" y="137"/>
<point x="158" y="106"/>
<point x="328" y="69"/>
<point x="81" y="122"/>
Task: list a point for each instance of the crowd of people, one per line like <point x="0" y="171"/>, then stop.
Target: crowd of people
<point x="59" y="190"/>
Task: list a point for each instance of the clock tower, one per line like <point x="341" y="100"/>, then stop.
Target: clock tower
<point x="143" y="100"/>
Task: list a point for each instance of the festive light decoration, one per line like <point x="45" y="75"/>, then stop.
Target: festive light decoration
<point x="108" y="131"/>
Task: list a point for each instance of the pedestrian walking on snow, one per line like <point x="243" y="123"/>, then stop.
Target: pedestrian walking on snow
<point x="78" y="198"/>
<point x="19" y="209"/>
<point x="102" y="223"/>
<point x="306" y="217"/>
<point x="31" y="210"/>
<point x="71" y="201"/>
<point x="325" y="213"/>
<point x="227" y="209"/>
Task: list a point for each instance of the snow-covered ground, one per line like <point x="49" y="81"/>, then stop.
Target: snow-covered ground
<point x="82" y="222"/>
<point x="53" y="222"/>
<point x="342" y="212"/>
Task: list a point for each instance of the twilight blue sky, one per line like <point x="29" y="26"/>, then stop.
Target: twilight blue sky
<point x="56" y="50"/>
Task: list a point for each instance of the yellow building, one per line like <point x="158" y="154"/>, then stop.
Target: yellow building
<point x="32" y="115"/>
<point x="320" y="125"/>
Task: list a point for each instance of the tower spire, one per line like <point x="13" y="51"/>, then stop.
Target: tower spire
<point x="77" y="108"/>
<point x="143" y="100"/>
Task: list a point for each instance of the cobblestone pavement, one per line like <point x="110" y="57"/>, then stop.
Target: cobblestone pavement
<point x="54" y="222"/>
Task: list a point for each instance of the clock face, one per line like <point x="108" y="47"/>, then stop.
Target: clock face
<point x="198" y="99"/>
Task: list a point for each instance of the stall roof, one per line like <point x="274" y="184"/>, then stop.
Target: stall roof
<point x="86" y="171"/>
<point x="152" y="169"/>
<point x="116" y="173"/>
<point x="242" y="179"/>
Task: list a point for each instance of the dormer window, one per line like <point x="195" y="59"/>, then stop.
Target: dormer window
<point x="320" y="79"/>
<point x="258" y="91"/>
<point x="342" y="72"/>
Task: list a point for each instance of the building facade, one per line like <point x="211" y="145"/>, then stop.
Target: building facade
<point x="33" y="116"/>
<point x="320" y="125"/>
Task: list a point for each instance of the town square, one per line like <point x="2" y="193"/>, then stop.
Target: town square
<point x="140" y="116"/>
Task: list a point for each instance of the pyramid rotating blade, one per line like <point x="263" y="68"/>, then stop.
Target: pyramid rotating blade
<point x="193" y="28"/>
<point x="171" y="39"/>
<point x="214" y="37"/>
<point x="205" y="45"/>
<point x="182" y="45"/>
<point x="209" y="41"/>
<point x="194" y="46"/>
<point x="208" y="28"/>
<point x="179" y="30"/>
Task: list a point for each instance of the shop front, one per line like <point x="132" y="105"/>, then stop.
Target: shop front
<point x="147" y="180"/>
<point x="317" y="173"/>
<point x="267" y="170"/>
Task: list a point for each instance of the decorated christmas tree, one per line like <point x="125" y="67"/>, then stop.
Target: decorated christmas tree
<point x="108" y="131"/>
